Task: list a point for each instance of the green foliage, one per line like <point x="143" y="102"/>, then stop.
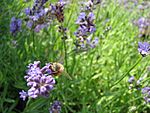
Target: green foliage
<point x="98" y="84"/>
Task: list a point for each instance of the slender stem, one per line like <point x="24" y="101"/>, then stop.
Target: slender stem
<point x="97" y="15"/>
<point x="65" y="49"/>
<point x="134" y="100"/>
<point x="69" y="18"/>
<point x="27" y="104"/>
<point x="33" y="39"/>
<point x="124" y="75"/>
<point x="20" y="10"/>
<point x="148" y="78"/>
<point x="74" y="63"/>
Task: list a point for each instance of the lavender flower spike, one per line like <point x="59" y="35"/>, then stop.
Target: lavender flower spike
<point x="39" y="80"/>
<point x="41" y="86"/>
<point x="144" y="48"/>
<point x="55" y="108"/>
<point x="146" y="93"/>
<point x="144" y="26"/>
<point x="15" y="25"/>
<point x="85" y="21"/>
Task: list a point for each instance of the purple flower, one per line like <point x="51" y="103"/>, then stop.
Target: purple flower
<point x="33" y="71"/>
<point x="39" y="27"/>
<point x="85" y="23"/>
<point x="92" y="29"/>
<point x="81" y="18"/>
<point x="143" y="25"/>
<point x="46" y="69"/>
<point x="92" y="43"/>
<point x="145" y="90"/>
<point x="143" y="22"/>
<point x="144" y="48"/>
<point x="27" y="11"/>
<point x="40" y="17"/>
<point x="39" y="80"/>
<point x="91" y="17"/>
<point x="38" y="5"/>
<point x="139" y="80"/>
<point x="58" y="11"/>
<point x="43" y="1"/>
<point x="61" y="1"/>
<point x="23" y="95"/>
<point x="81" y="31"/>
<point x="146" y="93"/>
<point x="87" y="43"/>
<point x="35" y="17"/>
<point x="131" y="79"/>
<point x="55" y="108"/>
<point x="85" y="20"/>
<point x="30" y="24"/>
<point x="41" y="86"/>
<point x="15" y="25"/>
<point x="36" y="14"/>
<point x="86" y="27"/>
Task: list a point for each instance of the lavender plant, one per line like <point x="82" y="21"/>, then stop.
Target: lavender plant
<point x="146" y="93"/>
<point x="86" y="27"/>
<point x="39" y="80"/>
<point x="15" y="25"/>
<point x="143" y="25"/>
<point x="40" y="17"/>
<point x="55" y="107"/>
<point x="144" y="48"/>
<point x="101" y="78"/>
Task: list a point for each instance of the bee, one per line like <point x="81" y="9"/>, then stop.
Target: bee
<point x="57" y="68"/>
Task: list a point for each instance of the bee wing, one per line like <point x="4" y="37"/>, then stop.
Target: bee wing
<point x="67" y="75"/>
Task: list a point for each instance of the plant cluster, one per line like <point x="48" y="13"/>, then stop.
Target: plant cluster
<point x="95" y="62"/>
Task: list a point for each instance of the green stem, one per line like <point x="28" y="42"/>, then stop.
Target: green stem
<point x="74" y="63"/>
<point x="65" y="49"/>
<point x="20" y="10"/>
<point x="97" y="15"/>
<point x="148" y="78"/>
<point x="27" y="104"/>
<point x="124" y="75"/>
<point x="33" y="39"/>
